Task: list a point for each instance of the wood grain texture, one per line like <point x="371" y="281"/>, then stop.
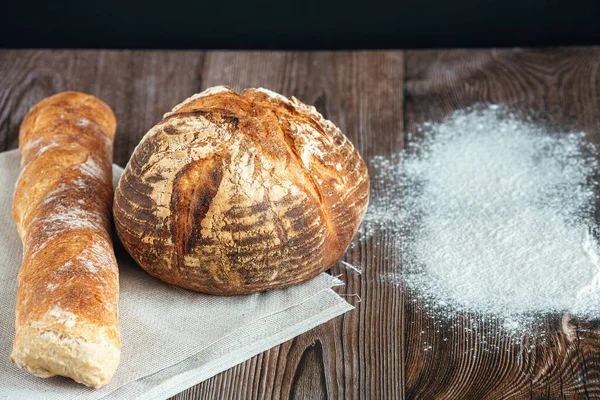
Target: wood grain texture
<point x="560" y="87"/>
<point x="378" y="350"/>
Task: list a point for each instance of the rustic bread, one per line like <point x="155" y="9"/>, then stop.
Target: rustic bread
<point x="240" y="193"/>
<point x="67" y="299"/>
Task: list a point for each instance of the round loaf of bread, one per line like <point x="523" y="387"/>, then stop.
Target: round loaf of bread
<point x="236" y="193"/>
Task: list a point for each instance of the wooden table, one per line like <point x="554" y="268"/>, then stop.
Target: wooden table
<point x="376" y="350"/>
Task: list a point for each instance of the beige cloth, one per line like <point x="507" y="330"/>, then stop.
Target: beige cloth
<point x="171" y="338"/>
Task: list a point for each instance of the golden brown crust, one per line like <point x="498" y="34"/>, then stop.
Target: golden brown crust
<point x="239" y="193"/>
<point x="66" y="314"/>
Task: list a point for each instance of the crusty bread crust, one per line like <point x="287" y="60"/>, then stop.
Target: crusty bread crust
<point x="67" y="299"/>
<point x="237" y="193"/>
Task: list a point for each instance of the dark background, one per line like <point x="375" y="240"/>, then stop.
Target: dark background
<point x="223" y="24"/>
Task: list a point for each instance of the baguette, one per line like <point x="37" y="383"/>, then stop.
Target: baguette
<point x="67" y="298"/>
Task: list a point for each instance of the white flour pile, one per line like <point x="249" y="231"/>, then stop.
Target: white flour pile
<point x="496" y="217"/>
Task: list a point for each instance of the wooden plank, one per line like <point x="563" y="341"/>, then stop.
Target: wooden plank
<point x="355" y="356"/>
<point x="561" y="87"/>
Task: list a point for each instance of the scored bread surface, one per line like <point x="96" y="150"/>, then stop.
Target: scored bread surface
<point x="67" y="298"/>
<point x="240" y="192"/>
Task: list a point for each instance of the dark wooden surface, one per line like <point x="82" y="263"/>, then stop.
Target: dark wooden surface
<point x="376" y="351"/>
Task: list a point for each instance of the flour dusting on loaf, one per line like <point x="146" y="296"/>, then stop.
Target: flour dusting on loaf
<point x="240" y="192"/>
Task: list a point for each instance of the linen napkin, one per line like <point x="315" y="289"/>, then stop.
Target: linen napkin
<point x="171" y="338"/>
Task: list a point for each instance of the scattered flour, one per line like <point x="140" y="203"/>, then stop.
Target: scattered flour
<point x="52" y="286"/>
<point x="61" y="316"/>
<point x="495" y="215"/>
<point x="92" y="169"/>
<point x="89" y="265"/>
<point x="47" y="147"/>
<point x="83" y="122"/>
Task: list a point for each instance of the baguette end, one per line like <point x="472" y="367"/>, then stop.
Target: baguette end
<point x="48" y="352"/>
